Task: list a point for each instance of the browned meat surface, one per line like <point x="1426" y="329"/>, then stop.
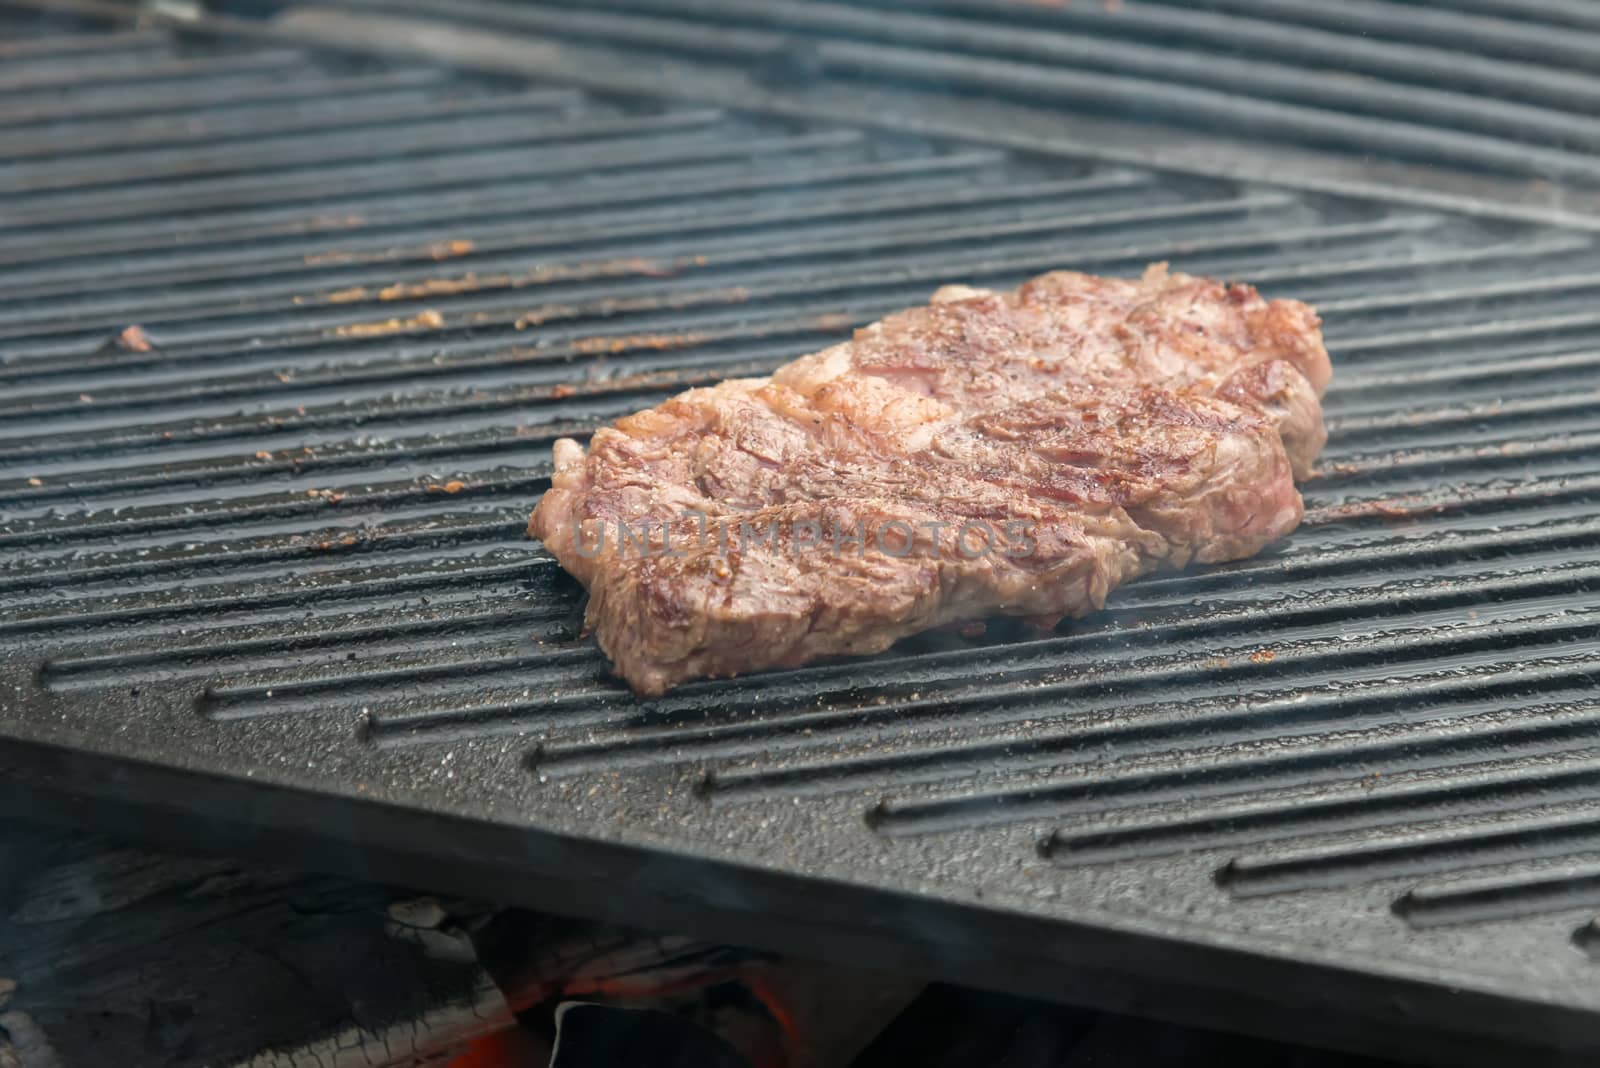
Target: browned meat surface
<point x="992" y="453"/>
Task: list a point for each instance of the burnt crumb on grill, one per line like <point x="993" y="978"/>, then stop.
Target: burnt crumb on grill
<point x="446" y="250"/>
<point x="129" y="339"/>
<point x="473" y="282"/>
<point x="427" y="319"/>
<point x="834" y="323"/>
<point x="1015" y="453"/>
<point x="332" y="256"/>
<point x="453" y="486"/>
<point x="432" y="287"/>
<point x="631" y="342"/>
<point x="543" y="315"/>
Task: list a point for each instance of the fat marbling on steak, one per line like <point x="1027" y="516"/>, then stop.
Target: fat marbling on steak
<point x="991" y="453"/>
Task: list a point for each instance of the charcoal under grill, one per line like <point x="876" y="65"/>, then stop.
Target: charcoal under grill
<point x="267" y="587"/>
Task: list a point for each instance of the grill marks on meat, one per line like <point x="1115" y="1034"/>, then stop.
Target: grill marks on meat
<point x="1125" y="425"/>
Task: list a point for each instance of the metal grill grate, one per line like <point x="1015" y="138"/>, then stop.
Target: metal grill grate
<point x="266" y="572"/>
<point x="1508" y="87"/>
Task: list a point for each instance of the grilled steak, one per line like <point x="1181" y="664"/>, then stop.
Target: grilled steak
<point x="992" y="453"/>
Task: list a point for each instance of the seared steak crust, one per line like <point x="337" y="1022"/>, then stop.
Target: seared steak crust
<point x="991" y="453"/>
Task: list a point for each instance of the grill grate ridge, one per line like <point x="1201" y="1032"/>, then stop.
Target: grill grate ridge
<point x="1396" y="79"/>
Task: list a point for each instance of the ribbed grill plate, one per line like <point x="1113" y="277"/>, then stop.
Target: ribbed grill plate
<point x="266" y="585"/>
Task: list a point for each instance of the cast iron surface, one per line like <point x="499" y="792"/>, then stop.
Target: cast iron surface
<point x="265" y="576"/>
<point x="1504" y="86"/>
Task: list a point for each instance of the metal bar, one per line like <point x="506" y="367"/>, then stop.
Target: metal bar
<point x="1550" y="834"/>
<point x="188" y="170"/>
<point x="69" y="81"/>
<point x="1501" y="79"/>
<point x="1528" y="40"/>
<point x="1371" y="806"/>
<point x="223" y="93"/>
<point x="505" y="248"/>
<point x="77" y="44"/>
<point x="492" y="307"/>
<point x="492" y="201"/>
<point x="441" y="174"/>
<point x="1256" y="75"/>
<point x="261" y="125"/>
<point x="1143" y="98"/>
